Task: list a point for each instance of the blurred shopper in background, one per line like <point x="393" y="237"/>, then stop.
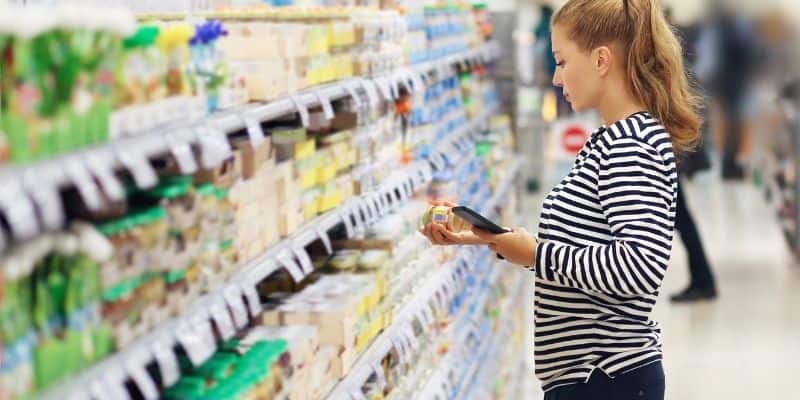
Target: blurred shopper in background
<point x="701" y="284"/>
<point x="726" y="54"/>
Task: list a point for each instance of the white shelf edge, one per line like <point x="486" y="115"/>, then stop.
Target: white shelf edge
<point x="51" y="172"/>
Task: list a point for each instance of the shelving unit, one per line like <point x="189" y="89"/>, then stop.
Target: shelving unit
<point x="172" y="345"/>
<point x="193" y="329"/>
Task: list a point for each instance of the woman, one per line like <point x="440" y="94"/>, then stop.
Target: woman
<point x="606" y="230"/>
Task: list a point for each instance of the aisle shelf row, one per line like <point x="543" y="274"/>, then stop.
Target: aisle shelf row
<point x="456" y="327"/>
<point x="193" y="329"/>
<point x="26" y="189"/>
<point x="441" y="284"/>
<point x="437" y="386"/>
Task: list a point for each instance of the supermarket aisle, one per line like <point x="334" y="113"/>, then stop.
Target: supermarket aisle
<point x="746" y="344"/>
<point x="748" y="341"/>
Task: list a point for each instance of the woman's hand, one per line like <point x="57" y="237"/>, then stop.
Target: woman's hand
<point x="517" y="247"/>
<point x="438" y="234"/>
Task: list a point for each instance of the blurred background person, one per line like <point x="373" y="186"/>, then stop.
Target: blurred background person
<point x="702" y="284"/>
<point x="726" y="54"/>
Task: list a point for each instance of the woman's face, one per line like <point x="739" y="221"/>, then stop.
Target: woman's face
<point x="576" y="72"/>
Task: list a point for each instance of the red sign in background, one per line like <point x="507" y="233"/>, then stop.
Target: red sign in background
<point x="572" y="138"/>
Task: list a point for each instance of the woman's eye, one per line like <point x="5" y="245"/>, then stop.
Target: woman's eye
<point x="560" y="63"/>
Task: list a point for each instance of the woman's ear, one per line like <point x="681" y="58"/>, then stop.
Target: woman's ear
<point x="602" y="59"/>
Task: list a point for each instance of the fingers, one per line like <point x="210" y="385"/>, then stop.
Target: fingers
<point x="445" y="203"/>
<point x="449" y="236"/>
<point x="437" y="234"/>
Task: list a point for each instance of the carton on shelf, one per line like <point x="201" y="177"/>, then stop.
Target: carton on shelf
<point x="254" y="157"/>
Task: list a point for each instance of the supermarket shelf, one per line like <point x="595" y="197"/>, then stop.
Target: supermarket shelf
<point x="194" y="328"/>
<point x="26" y="189"/>
<point x="442" y="285"/>
<point x="369" y="362"/>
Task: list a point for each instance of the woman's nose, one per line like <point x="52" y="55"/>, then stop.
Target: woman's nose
<point x="557" y="80"/>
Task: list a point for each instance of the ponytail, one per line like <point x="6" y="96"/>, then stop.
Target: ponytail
<point x="654" y="61"/>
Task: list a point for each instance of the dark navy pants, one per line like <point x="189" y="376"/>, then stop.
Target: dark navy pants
<point x="645" y="383"/>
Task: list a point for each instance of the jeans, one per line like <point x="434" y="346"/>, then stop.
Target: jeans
<point x="645" y="383"/>
<point x="700" y="271"/>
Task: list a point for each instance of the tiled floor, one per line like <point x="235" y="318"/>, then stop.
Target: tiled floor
<point x="746" y="344"/>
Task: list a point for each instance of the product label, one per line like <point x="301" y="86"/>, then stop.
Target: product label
<point x="18" y="210"/>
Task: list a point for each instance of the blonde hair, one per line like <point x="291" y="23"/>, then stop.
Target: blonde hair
<point x="654" y="63"/>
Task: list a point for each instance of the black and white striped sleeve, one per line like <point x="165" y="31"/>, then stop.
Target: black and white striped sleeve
<point x="636" y="193"/>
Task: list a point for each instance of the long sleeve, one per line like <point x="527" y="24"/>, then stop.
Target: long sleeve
<point x="636" y="196"/>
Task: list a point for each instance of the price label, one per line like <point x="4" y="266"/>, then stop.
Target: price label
<point x="114" y="380"/>
<point x="191" y="342"/>
<point x="325" y="239"/>
<point x="305" y="261"/>
<point x="327" y="108"/>
<point x="47" y="200"/>
<point x="135" y="366"/>
<point x="18" y="209"/>
<point x="218" y="309"/>
<point x="233" y="298"/>
<point x="214" y="146"/>
<point x="201" y="321"/>
<point x="348" y="224"/>
<point x="371" y="91"/>
<point x="400" y="348"/>
<point x="302" y="110"/>
<point x="385" y="89"/>
<point x="354" y="96"/>
<point x="379" y="374"/>
<point x="137" y="164"/>
<point x="253" y="301"/>
<point x="356" y="210"/>
<point x="254" y="131"/>
<point x="356" y="394"/>
<point x="178" y="144"/>
<point x="101" y="168"/>
<point x="166" y="360"/>
<point x="291" y="267"/>
<point x="84" y="183"/>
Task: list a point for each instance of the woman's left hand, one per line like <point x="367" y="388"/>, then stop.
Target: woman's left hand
<point x="517" y="247"/>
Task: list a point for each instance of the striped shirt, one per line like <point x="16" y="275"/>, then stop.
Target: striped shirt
<point x="605" y="237"/>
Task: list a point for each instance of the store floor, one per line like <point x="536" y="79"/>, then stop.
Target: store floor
<point x="745" y="344"/>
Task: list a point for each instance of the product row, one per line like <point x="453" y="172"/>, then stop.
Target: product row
<point x="81" y="76"/>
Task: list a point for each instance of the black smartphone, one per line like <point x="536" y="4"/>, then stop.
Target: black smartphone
<point x="479" y="221"/>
